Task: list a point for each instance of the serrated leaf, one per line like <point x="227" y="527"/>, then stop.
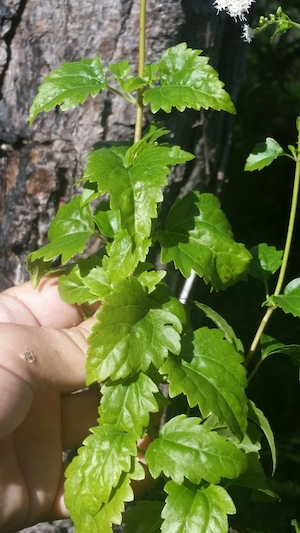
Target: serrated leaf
<point x="144" y="517"/>
<point x="124" y="256"/>
<point x="270" y="346"/>
<point x="223" y="325"/>
<point x="131" y="334"/>
<point x="107" y="513"/>
<point x="134" y="184"/>
<point x="193" y="510"/>
<point x="127" y="405"/>
<point x="72" y="288"/>
<point x="98" y="467"/>
<point x="69" y="86"/>
<point x="263" y="154"/>
<point x="187" y="81"/>
<point x="266" y="260"/>
<point x="185" y="449"/>
<point x="210" y="374"/>
<point x="198" y="237"/>
<point x="68" y="233"/>
<point x="289" y="301"/>
<point x="258" y="417"/>
<point x="150" y="279"/>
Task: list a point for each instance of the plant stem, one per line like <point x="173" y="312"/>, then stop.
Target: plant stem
<point x="286" y="253"/>
<point x="142" y="53"/>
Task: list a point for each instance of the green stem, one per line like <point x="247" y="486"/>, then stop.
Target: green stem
<point x="142" y="47"/>
<point x="286" y="253"/>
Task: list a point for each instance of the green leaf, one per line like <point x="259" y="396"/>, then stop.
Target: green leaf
<point x="188" y="450"/>
<point x="107" y="220"/>
<point x="68" y="232"/>
<point x="124" y="256"/>
<point x="210" y="374"/>
<point x="263" y="154"/>
<point x="289" y="301"/>
<point x="198" y="237"/>
<point x="296" y="525"/>
<point x="187" y="81"/>
<point x="107" y="513"/>
<point x="72" y="288"/>
<point x="69" y="86"/>
<point x="128" y="83"/>
<point x="257" y="416"/>
<point x="193" y="510"/>
<point x="127" y="405"/>
<point x="98" y="467"/>
<point x="270" y="346"/>
<point x="134" y="184"/>
<point x="37" y="269"/>
<point x="223" y="325"/>
<point x="144" y="517"/>
<point x="266" y="261"/>
<point x="150" y="279"/>
<point x="254" y="477"/>
<point x="131" y="334"/>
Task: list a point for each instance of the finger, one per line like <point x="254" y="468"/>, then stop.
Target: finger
<point x="32" y="357"/>
<point x="79" y="414"/>
<point x="41" y="307"/>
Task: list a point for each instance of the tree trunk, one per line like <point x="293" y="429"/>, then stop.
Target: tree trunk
<point x="39" y="166"/>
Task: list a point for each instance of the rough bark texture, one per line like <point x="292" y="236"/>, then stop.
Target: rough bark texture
<point x="39" y="166"/>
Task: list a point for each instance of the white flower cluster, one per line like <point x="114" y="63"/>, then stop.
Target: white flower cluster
<point x="234" y="8"/>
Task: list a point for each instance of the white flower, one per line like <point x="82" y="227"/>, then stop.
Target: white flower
<point x="248" y="33"/>
<point x="234" y="8"/>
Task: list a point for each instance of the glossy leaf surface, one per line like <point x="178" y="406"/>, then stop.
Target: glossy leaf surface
<point x="187" y="81"/>
<point x="193" y="510"/>
<point x="210" y="374"/>
<point x="198" y="237"/>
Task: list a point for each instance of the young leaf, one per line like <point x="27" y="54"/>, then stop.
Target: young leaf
<point x="194" y="510"/>
<point x="37" y="269"/>
<point x="187" y="80"/>
<point x="188" y="450"/>
<point x="210" y="374"/>
<point x="72" y="288"/>
<point x="134" y="184"/>
<point x="109" y="512"/>
<point x="69" y="86"/>
<point x="98" y="467"/>
<point x="68" y="232"/>
<point x="127" y="405"/>
<point x="289" y="301"/>
<point x="263" y="154"/>
<point x="266" y="260"/>
<point x="131" y="333"/>
<point x="257" y="416"/>
<point x="198" y="237"/>
<point x="144" y="517"/>
<point x="124" y="256"/>
<point x="223" y="325"/>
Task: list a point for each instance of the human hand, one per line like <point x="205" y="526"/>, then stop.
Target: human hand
<point x="42" y="360"/>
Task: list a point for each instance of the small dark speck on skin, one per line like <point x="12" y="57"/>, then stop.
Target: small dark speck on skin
<point x="27" y="356"/>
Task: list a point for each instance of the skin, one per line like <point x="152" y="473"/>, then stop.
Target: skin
<point x="39" y="417"/>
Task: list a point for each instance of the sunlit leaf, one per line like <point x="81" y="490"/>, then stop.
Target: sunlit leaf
<point x="69" y="86"/>
<point x="132" y="332"/>
<point x="198" y="237"/>
<point x="193" y="510"/>
<point x="68" y="233"/>
<point x="210" y="374"/>
<point x="185" y="449"/>
<point x="187" y="81"/>
<point x="263" y="154"/>
<point x="127" y="405"/>
<point x="289" y="301"/>
<point x="266" y="260"/>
